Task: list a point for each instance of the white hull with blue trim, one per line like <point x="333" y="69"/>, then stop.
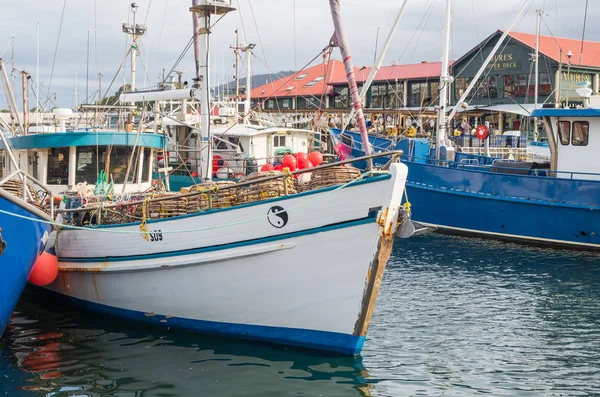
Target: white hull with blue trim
<point x="309" y="277"/>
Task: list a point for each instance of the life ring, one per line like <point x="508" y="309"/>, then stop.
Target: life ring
<point x="481" y="132"/>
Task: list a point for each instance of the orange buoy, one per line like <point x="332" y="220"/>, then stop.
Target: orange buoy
<point x="45" y="270"/>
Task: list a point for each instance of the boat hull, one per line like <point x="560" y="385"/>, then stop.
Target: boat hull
<point x="24" y="241"/>
<point x="310" y="281"/>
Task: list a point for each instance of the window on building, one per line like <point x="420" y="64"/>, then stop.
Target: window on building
<point x="279" y="141"/>
<point x="487" y="87"/>
<point x="286" y="103"/>
<point x="434" y="90"/>
<point x="58" y="166"/>
<point x="378" y="96"/>
<point x="301" y="76"/>
<point x="271" y="104"/>
<point x="342" y="99"/>
<point x="315" y="81"/>
<point x="545" y="85"/>
<point x="564" y="132"/>
<point x="418" y="94"/>
<point x="395" y="96"/>
<point x="460" y="86"/>
<point x="581" y="133"/>
<point x="313" y="102"/>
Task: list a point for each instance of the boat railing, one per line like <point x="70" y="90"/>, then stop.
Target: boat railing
<point x="394" y="158"/>
<point x="27" y="183"/>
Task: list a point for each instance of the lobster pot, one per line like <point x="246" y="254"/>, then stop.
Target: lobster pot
<point x="15" y="187"/>
<point x="214" y="195"/>
<point x="265" y="190"/>
<point x="333" y="176"/>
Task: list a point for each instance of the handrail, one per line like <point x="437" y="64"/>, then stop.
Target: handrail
<point x="394" y="154"/>
<point x="26" y="192"/>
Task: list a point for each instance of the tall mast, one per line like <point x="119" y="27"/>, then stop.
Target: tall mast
<point x="202" y="11"/>
<point x="445" y="80"/>
<point x="537" y="70"/>
<point x="247" y="48"/>
<point x="135" y="31"/>
<point x="236" y="49"/>
<point x="345" y="50"/>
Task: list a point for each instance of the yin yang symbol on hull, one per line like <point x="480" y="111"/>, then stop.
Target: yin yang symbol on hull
<point x="277" y="216"/>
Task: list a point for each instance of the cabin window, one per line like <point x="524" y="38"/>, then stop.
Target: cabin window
<point x="58" y="166"/>
<point x="92" y="159"/>
<point x="146" y="166"/>
<point x="279" y="141"/>
<point x="564" y="132"/>
<point x="581" y="133"/>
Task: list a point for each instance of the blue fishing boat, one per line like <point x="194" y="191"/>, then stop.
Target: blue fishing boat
<point x="506" y="199"/>
<point x="24" y="230"/>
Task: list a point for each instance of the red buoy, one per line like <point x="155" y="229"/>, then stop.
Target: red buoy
<point x="316" y="158"/>
<point x="289" y="161"/>
<point x="267" y="167"/>
<point x="45" y="270"/>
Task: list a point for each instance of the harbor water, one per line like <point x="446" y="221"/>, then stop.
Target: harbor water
<point x="455" y="317"/>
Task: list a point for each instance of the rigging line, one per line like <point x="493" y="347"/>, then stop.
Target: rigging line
<point x="426" y="21"/>
<point x="162" y="27"/>
<point x="56" y="48"/>
<point x="181" y="56"/>
<point x="583" y="32"/>
<point x="114" y="78"/>
<point x="242" y="21"/>
<point x="6" y="48"/>
<point x="416" y="29"/>
<point x="262" y="48"/>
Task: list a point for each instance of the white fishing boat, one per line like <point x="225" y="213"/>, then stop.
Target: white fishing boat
<point x="300" y="269"/>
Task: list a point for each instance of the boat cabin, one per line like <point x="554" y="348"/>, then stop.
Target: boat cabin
<point x="63" y="160"/>
<point x="574" y="140"/>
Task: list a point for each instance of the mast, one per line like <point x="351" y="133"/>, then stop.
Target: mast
<point x="537" y="70"/>
<point x="202" y="11"/>
<point x="342" y="42"/>
<point x="247" y="48"/>
<point x="236" y="49"/>
<point x="24" y="79"/>
<point x="445" y="80"/>
<point x="135" y="31"/>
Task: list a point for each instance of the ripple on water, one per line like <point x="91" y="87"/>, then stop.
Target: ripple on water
<point x="456" y="317"/>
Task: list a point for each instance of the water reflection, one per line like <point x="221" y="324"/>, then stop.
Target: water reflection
<point x="61" y="351"/>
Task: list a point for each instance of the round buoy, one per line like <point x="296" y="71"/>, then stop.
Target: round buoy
<point x="45" y="270"/>
<point x="267" y="167"/>
<point x="481" y="132"/>
<point x="289" y="161"/>
<point x="316" y="158"/>
<point x="301" y="158"/>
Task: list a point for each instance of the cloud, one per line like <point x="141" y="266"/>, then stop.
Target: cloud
<point x="280" y="46"/>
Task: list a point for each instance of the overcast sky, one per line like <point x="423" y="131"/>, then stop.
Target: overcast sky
<point x="268" y="23"/>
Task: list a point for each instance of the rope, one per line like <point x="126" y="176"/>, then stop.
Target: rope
<point x="145" y="232"/>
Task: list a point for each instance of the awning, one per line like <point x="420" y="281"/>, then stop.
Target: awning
<point x="523" y="109"/>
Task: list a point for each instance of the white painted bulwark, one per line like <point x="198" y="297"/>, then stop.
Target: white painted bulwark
<point x="303" y="278"/>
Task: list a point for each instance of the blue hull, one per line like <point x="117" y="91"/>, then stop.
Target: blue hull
<point x="473" y="200"/>
<point x="24" y="243"/>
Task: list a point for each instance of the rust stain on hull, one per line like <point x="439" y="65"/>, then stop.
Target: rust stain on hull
<point x="96" y="294"/>
<point x="375" y="275"/>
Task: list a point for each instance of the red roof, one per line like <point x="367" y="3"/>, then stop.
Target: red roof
<point x="308" y="82"/>
<point x="423" y="70"/>
<point x="551" y="46"/>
